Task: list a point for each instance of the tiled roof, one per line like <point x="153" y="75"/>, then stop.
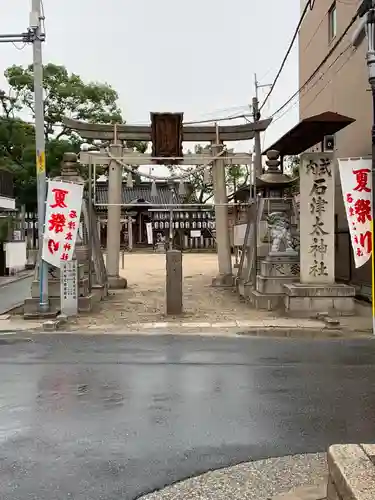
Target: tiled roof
<point x="138" y="193"/>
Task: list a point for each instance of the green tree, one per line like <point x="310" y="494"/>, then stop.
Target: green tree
<point x="202" y="188"/>
<point x="291" y="165"/>
<point x="66" y="95"/>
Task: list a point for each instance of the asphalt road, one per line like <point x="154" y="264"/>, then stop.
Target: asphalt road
<point x="13" y="294"/>
<point x="105" y="418"/>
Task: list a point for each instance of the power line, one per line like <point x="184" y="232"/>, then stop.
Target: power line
<point x="315" y="83"/>
<point x="307" y="6"/>
<point x="322" y="63"/>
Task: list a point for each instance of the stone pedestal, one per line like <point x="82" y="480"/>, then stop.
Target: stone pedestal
<point x="276" y="270"/>
<point x="309" y="300"/>
<point x="317" y="291"/>
<point x="160" y="247"/>
<point x="223" y="280"/>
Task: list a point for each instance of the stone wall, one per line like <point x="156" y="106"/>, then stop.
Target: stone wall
<point x="351" y="469"/>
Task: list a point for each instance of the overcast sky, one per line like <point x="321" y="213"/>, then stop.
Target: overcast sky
<point x="195" y="56"/>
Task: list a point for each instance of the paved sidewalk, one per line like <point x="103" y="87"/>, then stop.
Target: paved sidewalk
<point x="17" y="325"/>
<point x="14" y="290"/>
<point x="7" y="280"/>
<point x="305" y="475"/>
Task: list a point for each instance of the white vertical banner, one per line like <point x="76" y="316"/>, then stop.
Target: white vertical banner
<point x="317" y="205"/>
<point x="63" y="212"/>
<point x="356" y="185"/>
<point x="150" y="239"/>
<point x="69" y="287"/>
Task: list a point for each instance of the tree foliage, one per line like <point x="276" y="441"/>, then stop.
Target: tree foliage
<point x="66" y="95"/>
<point x="202" y="189"/>
<point x="291" y="165"/>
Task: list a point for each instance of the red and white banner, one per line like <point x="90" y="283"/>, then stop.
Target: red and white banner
<point x="356" y="185"/>
<point x="63" y="212"/>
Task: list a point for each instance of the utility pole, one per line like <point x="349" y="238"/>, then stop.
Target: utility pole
<point x="370" y="22"/>
<point x="366" y="10"/>
<point x="38" y="37"/>
<point x="257" y="170"/>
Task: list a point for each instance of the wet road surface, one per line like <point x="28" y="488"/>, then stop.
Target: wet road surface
<point x="105" y="418"/>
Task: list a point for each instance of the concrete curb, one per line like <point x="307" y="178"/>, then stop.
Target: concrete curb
<point x="296" y="334"/>
<point x="317" y="492"/>
<point x="351" y="470"/>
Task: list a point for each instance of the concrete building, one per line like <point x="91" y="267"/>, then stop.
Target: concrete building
<point x="12" y="241"/>
<point x="341" y="86"/>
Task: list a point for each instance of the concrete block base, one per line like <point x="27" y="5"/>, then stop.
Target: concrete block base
<point x="302" y="301"/>
<point x="117" y="283"/>
<point x="273" y="284"/>
<point x="243" y="289"/>
<point x="223" y="280"/>
<point x="85" y="304"/>
<point x="266" y="301"/>
<point x="54" y="287"/>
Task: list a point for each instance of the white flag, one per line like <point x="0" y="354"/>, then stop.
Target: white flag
<point x="356" y="184"/>
<point x="63" y="212"/>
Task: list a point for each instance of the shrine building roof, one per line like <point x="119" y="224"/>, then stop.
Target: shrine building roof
<point x="140" y="194"/>
<point x="309" y="132"/>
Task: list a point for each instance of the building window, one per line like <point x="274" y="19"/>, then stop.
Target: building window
<point x="332" y="22"/>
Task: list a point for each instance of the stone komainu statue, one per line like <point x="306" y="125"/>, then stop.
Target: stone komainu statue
<point x="279" y="230"/>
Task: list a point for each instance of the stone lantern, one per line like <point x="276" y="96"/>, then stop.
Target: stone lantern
<point x="279" y="261"/>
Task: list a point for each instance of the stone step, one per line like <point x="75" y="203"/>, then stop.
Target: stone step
<point x="273" y="284"/>
<point x="266" y="301"/>
<point x="281" y="268"/>
<point x="54" y="288"/>
<point x="85" y="304"/>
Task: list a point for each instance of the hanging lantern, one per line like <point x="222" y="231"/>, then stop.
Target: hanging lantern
<point x="129" y="180"/>
<point x="154" y="191"/>
<point x="181" y="189"/>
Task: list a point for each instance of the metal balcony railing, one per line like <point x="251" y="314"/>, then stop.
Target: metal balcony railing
<point x="6" y="184"/>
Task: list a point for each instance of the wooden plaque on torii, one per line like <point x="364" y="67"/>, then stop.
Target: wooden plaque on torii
<point x="166" y="136"/>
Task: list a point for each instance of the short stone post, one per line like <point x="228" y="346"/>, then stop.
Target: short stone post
<point x="225" y="276"/>
<point x="130" y="234"/>
<point x="174" y="282"/>
<point x="114" y="220"/>
<point x="317" y="291"/>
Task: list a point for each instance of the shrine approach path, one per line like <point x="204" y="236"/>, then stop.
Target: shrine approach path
<point x="144" y="299"/>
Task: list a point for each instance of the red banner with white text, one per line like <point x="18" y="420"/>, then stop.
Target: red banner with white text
<point x="356" y="182"/>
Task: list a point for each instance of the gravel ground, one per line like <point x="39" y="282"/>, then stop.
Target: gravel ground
<point x="249" y="481"/>
<point x="144" y="299"/>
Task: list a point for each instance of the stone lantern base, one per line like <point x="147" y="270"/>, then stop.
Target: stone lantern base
<point x="276" y="270"/>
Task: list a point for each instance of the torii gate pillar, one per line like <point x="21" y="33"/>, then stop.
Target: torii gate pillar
<point x="114" y="220"/>
<point x="225" y="276"/>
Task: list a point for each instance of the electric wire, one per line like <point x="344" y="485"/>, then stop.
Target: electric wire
<point x="307" y="6"/>
<point x="320" y="66"/>
<point x="316" y="82"/>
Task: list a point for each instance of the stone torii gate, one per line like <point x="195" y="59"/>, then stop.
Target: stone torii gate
<point x="118" y="156"/>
